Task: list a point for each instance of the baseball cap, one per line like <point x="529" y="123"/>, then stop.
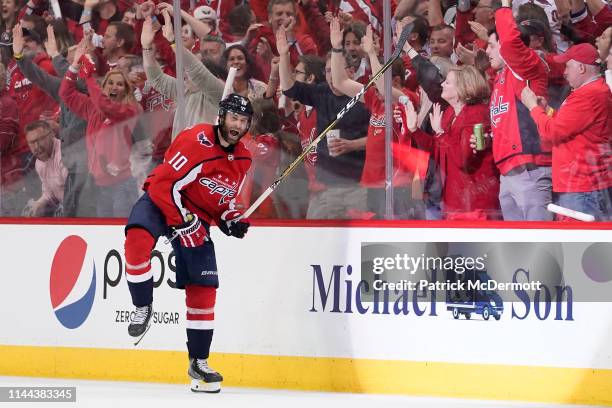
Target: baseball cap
<point x="205" y="13"/>
<point x="584" y="53"/>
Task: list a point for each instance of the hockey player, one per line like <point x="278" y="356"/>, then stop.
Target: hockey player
<point x="196" y="185"/>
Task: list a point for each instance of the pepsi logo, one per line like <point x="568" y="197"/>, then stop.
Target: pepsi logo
<point x="72" y="282"/>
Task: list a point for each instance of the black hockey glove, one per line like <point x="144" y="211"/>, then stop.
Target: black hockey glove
<point x="232" y="225"/>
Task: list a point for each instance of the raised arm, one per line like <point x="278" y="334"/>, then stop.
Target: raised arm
<point x="86" y="16"/>
<point x="200" y="29"/>
<point x="368" y="46"/>
<point x="39" y="77"/>
<point x="198" y="73"/>
<point x="428" y="75"/>
<point x="521" y="59"/>
<point x="202" y="77"/>
<point x="285" y="71"/>
<point x="60" y="63"/>
<point x="272" y="85"/>
<point x="78" y="103"/>
<point x="163" y="83"/>
<point x="410" y="119"/>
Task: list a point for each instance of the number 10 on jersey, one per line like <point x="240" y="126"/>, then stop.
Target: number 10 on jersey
<point x="178" y="161"/>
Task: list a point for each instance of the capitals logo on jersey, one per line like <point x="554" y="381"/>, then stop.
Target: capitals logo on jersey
<point x="498" y="108"/>
<point x="204" y="140"/>
<point x="220" y="185"/>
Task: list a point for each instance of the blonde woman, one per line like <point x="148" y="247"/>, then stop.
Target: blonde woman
<point x="470" y="179"/>
<point x="111" y="112"/>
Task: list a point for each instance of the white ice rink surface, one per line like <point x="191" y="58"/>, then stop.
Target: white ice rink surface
<point x="107" y="394"/>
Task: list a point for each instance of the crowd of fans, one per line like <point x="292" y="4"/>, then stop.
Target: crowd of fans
<point x="89" y="92"/>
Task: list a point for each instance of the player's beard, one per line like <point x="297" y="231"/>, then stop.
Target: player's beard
<point x="231" y="135"/>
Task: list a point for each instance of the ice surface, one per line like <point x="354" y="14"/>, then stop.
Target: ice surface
<point x="109" y="394"/>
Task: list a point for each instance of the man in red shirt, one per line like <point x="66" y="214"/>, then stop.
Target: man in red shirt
<point x="523" y="161"/>
<point x="197" y="184"/>
<point x="581" y="135"/>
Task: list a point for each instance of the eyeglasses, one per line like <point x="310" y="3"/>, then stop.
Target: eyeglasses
<point x="295" y="72"/>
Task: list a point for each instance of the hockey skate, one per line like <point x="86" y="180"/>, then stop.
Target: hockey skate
<point x="203" y="378"/>
<point x="140" y="324"/>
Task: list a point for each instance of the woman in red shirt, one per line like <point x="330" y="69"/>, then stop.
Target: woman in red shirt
<point x="111" y="112"/>
<point x="470" y="179"/>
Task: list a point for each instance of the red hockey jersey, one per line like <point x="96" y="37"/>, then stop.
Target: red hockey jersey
<point x="374" y="168"/>
<point x="515" y="136"/>
<point x="198" y="175"/>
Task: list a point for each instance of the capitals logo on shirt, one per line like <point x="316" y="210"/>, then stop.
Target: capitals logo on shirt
<point x="204" y="140"/>
<point x="498" y="108"/>
<point x="377" y="122"/>
<point x="311" y="156"/>
<point x="155" y="100"/>
<point x="220" y="185"/>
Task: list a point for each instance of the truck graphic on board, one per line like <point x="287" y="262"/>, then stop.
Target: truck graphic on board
<point x="472" y="300"/>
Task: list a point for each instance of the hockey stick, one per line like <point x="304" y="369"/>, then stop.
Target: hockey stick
<point x="293" y="165"/>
